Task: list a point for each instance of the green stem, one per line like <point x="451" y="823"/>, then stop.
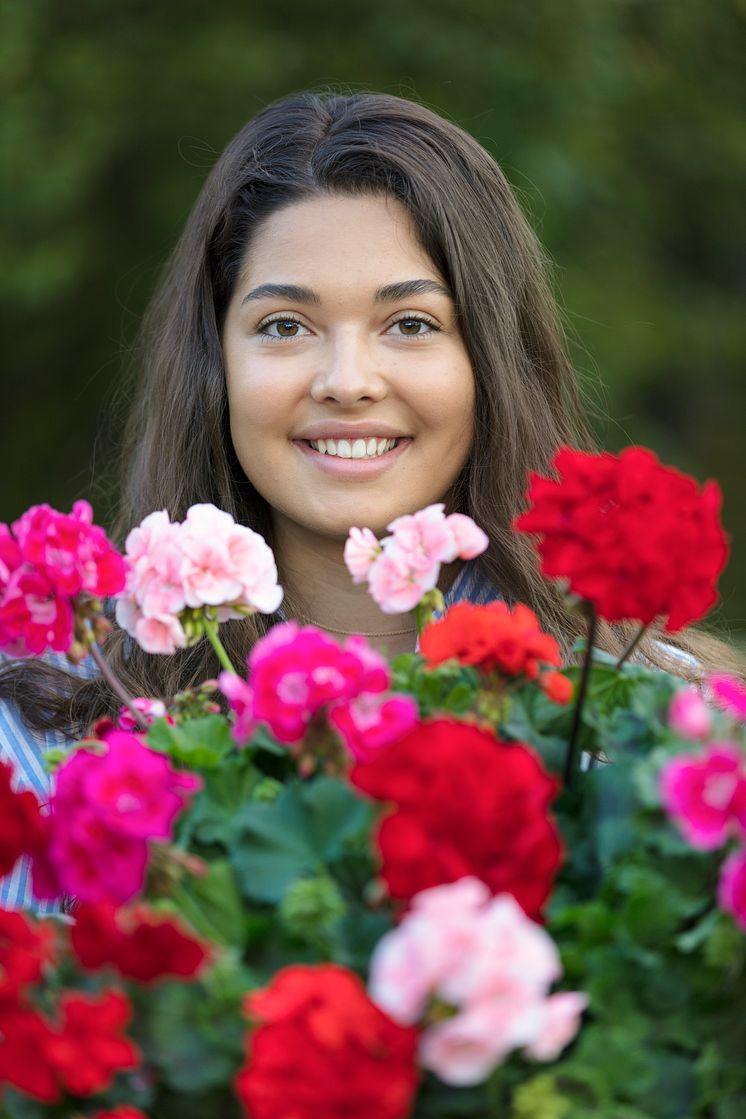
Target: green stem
<point x="631" y="647"/>
<point x="571" y="761"/>
<point x="211" y="629"/>
<point x="115" y="684"/>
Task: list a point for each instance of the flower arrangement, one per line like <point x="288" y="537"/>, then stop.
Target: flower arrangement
<point x="469" y="882"/>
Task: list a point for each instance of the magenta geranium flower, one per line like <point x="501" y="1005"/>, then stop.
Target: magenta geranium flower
<point x="732" y="888"/>
<point x="111" y="800"/>
<point x="706" y="794"/>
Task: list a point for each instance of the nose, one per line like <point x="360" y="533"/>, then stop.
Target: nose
<point x="349" y="372"/>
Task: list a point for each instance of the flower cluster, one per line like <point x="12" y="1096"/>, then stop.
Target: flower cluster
<point x="81" y="1050"/>
<point x="497" y="828"/>
<point x="136" y="942"/>
<point x="297" y="672"/>
<point x="179" y="571"/>
<point x="459" y="949"/>
<point x="705" y="793"/>
<point x="637" y="539"/>
<point x="497" y="639"/>
<point x="403" y="567"/>
<point x="323" y="1048"/>
<point x="21" y="823"/>
<point x="51" y="565"/>
<point x="111" y="799"/>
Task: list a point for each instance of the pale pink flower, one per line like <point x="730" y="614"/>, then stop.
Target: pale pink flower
<point x="706" y="794"/>
<point x="361" y="549"/>
<point x="209" y="574"/>
<point x="561" y="1016"/>
<point x="162" y="634"/>
<point x="732" y="887"/>
<point x="150" y="709"/>
<point x="729" y="693"/>
<point x="296" y="672"/>
<point x="469" y="538"/>
<point x="369" y="722"/>
<point x="510" y="954"/>
<point x="240" y="697"/>
<point x="396" y="586"/>
<point x="464" y="1050"/>
<point x="255" y="568"/>
<point x="425" y="537"/>
<point x="689" y="715"/>
<point x="467" y="895"/>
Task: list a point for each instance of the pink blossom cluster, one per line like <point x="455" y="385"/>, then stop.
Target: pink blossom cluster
<point x="205" y="563"/>
<point x="48" y="560"/>
<point x="705" y="793"/>
<point x="111" y="799"/>
<point x="478" y="968"/>
<point x="296" y="672"/>
<point x="403" y="567"/>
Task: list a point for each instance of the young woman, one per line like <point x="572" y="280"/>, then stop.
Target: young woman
<point x="355" y="324"/>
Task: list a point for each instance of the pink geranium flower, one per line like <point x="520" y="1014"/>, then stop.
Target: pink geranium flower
<point x="689" y="715"/>
<point x="706" y="794"/>
<point x="150" y="709"/>
<point x="240" y="697"/>
<point x="49" y="563"/>
<point x="730" y="694"/>
<point x="732" y="888"/>
<point x="369" y="722"/>
<point x="206" y="564"/>
<point x="482" y="957"/>
<point x="296" y="672"/>
<point x="405" y="566"/>
<point x="361" y="549"/>
<point x="110" y="801"/>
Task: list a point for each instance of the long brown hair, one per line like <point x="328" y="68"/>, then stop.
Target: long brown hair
<point x="178" y="449"/>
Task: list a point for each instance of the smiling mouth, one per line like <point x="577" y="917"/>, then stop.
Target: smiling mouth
<point x="353" y="448"/>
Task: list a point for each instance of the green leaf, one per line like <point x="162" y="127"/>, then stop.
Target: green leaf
<point x="213" y="906"/>
<point x="197" y="743"/>
<point x="306" y="829"/>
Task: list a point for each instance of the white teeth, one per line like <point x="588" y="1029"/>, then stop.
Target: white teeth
<point x="357" y="448"/>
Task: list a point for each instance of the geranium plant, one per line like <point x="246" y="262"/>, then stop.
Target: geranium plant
<point x="469" y="882"/>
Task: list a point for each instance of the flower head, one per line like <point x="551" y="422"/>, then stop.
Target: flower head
<point x="637" y="539"/>
<point x="706" y="794"/>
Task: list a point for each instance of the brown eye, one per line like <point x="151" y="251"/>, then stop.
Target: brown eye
<point x="411" y="326"/>
<point x="286" y="328"/>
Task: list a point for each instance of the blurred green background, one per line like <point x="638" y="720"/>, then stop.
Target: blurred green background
<point x="619" y="122"/>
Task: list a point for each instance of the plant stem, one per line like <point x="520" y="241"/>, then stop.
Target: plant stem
<point x="631" y="647"/>
<point x="572" y="747"/>
<point x="211" y="629"/>
<point x="115" y="684"/>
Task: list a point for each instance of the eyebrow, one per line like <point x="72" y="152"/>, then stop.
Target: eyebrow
<point x="390" y="293"/>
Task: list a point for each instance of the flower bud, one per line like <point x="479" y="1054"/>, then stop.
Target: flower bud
<point x="689" y="715"/>
<point x="311" y="907"/>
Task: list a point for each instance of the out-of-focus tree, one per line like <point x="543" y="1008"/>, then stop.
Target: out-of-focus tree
<point x="619" y="122"/>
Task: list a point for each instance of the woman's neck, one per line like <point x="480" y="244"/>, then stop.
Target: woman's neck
<point x="319" y="591"/>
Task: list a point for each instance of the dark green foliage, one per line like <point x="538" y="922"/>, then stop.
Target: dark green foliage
<point x="620" y="125"/>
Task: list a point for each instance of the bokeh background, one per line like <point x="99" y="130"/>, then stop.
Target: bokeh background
<point x="620" y="123"/>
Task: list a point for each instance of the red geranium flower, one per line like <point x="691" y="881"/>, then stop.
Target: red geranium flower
<point x="465" y="804"/>
<point x="21" y="824"/>
<point x="496" y="638"/>
<point x="637" y="539"/>
<point x="89" y="1049"/>
<point x="24" y="1039"/>
<point x="139" y="943"/>
<point x="325" y="1050"/>
<point x="24" y="949"/>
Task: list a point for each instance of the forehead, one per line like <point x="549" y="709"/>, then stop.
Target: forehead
<point x="364" y="239"/>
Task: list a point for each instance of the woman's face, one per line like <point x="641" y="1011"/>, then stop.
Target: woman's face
<point x="350" y="392"/>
